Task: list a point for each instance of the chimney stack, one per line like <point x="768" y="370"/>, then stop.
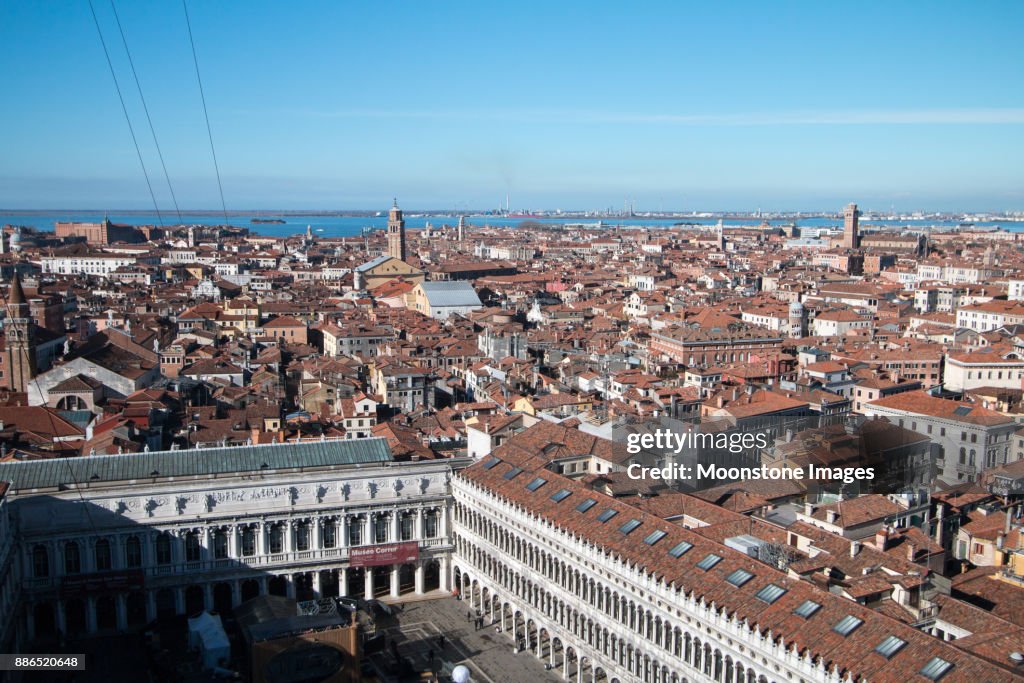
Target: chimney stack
<point x="882" y="538"/>
<point x="854" y="548"/>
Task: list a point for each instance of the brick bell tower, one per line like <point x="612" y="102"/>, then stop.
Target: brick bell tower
<point x="396" y="233"/>
<point x="20" y="340"/>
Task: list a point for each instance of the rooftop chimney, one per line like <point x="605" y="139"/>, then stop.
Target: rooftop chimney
<point x="831" y="516"/>
<point x="854" y="548"/>
<point x="882" y="538"/>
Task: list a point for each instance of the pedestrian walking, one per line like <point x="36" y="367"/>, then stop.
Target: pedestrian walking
<point x="440" y="641"/>
<point x="469" y="616"/>
<point x="430" y="655"/>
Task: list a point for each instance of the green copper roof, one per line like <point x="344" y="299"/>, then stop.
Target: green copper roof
<point x="54" y="472"/>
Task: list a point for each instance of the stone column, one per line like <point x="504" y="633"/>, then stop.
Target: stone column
<point x="234" y="542"/>
<point x="420" y="577"/>
<point x="150" y="606"/>
<point x="179" y="600"/>
<point x="30" y="623"/>
<point x="396" y="526"/>
<point x="290" y="585"/>
<point x="343" y="581"/>
<point x="62" y="624"/>
<point x="289" y="536"/>
<point x="343" y="538"/>
<point x="444" y="570"/>
<point x="316" y="581"/>
<point x="396" y="579"/>
<point x="317" y="531"/>
<point x="261" y="538"/>
<point x="368" y="583"/>
<point x="206" y="552"/>
<point x="208" y="596"/>
<point x="236" y="593"/>
<point x="121" y="604"/>
<point x="369" y="537"/>
<point x="418" y="532"/>
<point x="90" y="614"/>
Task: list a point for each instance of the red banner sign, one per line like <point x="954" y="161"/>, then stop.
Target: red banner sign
<point x="377" y="555"/>
<point x="77" y="585"/>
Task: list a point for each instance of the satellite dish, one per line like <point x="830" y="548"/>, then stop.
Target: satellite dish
<point x="460" y="674"/>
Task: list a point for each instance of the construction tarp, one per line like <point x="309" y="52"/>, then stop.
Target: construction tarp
<point x="206" y="633"/>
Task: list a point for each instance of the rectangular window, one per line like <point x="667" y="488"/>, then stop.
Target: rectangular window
<point x="847" y="625"/>
<point x="560" y="495"/>
<point x="739" y="577"/>
<point x="709" y="561"/>
<point x="936" y="668"/>
<point x="629" y="526"/>
<point x="536" y="484"/>
<point x="770" y="593"/>
<point x="513" y="473"/>
<point x="807" y="609"/>
<point x="655" y="536"/>
<point x="680" y="549"/>
<point x="890" y="646"/>
<point x="586" y="505"/>
<point x="606" y="515"/>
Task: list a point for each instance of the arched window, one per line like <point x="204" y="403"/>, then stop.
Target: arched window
<point x="248" y="541"/>
<point x="220" y="544"/>
<point x="330" y="538"/>
<point x="103" y="560"/>
<point x="40" y="562"/>
<point x="355" y="531"/>
<point x="72" y="558"/>
<point x="380" y="529"/>
<point x="163" y="548"/>
<point x="430" y="522"/>
<point x="276" y="539"/>
<point x="133" y="552"/>
<point x="193" y="550"/>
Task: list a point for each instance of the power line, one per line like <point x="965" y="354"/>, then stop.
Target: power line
<point x="124" y="109"/>
<point x="145" y="108"/>
<point x="206" y="114"/>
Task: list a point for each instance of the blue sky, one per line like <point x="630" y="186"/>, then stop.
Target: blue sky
<point x="674" y="105"/>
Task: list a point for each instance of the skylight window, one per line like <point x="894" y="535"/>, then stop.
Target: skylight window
<point x="586" y="505"/>
<point x="606" y="515"/>
<point x="807" y="609"/>
<point x="847" y="625"/>
<point x="770" y="593"/>
<point x="962" y="411"/>
<point x="560" y="495"/>
<point x="890" y="646"/>
<point x="491" y="462"/>
<point x="709" y="561"/>
<point x="536" y="484"/>
<point x="936" y="668"/>
<point x="655" y="536"/>
<point x="629" y="526"/>
<point x="739" y="577"/>
<point x="680" y="549"/>
<point x="513" y="473"/>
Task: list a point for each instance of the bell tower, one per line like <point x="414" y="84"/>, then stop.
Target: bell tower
<point x="396" y="233"/>
<point x="20" y="333"/>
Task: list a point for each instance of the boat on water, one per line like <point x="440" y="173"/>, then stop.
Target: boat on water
<point x="279" y="221"/>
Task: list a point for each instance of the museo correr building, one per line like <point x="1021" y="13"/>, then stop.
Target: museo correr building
<point x="104" y="543"/>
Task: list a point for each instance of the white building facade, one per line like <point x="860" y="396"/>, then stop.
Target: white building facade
<point x="117" y="554"/>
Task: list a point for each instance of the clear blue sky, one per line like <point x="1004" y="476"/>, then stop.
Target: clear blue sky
<point x="678" y="105"/>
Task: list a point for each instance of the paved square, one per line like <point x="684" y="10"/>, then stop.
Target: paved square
<point x="488" y="654"/>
